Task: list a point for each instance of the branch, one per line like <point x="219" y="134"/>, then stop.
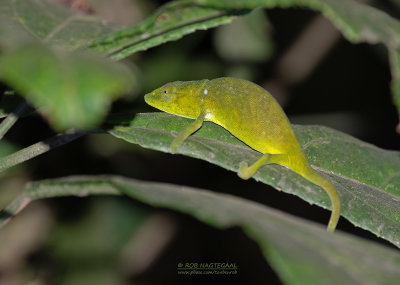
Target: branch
<point x="37" y="149"/>
<point x="8" y="122"/>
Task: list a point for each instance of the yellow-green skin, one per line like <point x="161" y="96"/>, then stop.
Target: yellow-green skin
<point x="249" y="113"/>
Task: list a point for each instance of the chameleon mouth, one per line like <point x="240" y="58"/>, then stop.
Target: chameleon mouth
<point x="149" y="98"/>
<point x="153" y="97"/>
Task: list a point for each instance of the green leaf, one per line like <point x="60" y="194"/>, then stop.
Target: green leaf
<point x="171" y="22"/>
<point x="74" y="90"/>
<point x="366" y="177"/>
<point x="45" y="20"/>
<point x="300" y="252"/>
<point x="358" y="22"/>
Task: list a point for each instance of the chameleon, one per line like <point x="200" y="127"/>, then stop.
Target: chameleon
<point x="250" y="114"/>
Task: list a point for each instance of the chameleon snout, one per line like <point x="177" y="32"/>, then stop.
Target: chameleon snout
<point x="150" y="99"/>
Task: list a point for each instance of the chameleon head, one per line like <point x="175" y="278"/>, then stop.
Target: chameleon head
<point x="181" y="98"/>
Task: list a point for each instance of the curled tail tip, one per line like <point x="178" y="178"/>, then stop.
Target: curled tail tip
<point x="333" y="221"/>
<point x="331" y="227"/>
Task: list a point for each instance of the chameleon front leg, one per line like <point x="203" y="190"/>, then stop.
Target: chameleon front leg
<point x="183" y="135"/>
<point x="245" y="171"/>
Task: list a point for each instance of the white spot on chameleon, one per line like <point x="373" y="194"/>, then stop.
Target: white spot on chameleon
<point x="205" y="91"/>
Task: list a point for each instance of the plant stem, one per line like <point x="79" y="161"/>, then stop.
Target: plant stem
<point x="8" y="122"/>
<point x="37" y="149"/>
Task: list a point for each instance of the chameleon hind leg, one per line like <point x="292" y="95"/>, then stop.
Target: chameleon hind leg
<point x="245" y="171"/>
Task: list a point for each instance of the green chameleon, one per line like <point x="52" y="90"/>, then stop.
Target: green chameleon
<point x="249" y="113"/>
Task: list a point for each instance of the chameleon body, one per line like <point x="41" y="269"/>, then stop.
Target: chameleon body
<point x="249" y="113"/>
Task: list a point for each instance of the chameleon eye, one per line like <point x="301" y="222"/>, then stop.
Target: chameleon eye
<point x="167" y="95"/>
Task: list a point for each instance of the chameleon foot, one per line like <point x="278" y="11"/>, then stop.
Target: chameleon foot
<point x="244" y="171"/>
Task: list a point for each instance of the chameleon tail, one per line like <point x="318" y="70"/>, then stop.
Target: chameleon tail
<point x="302" y="167"/>
<point x="319" y="180"/>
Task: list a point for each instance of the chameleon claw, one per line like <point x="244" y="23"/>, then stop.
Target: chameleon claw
<point x="173" y="147"/>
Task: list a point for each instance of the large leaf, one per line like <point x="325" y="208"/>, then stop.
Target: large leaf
<point x="301" y="252"/>
<point x="50" y="22"/>
<point x="366" y="177"/>
<point x="358" y="22"/>
<point x="74" y="90"/>
<point x="171" y="22"/>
